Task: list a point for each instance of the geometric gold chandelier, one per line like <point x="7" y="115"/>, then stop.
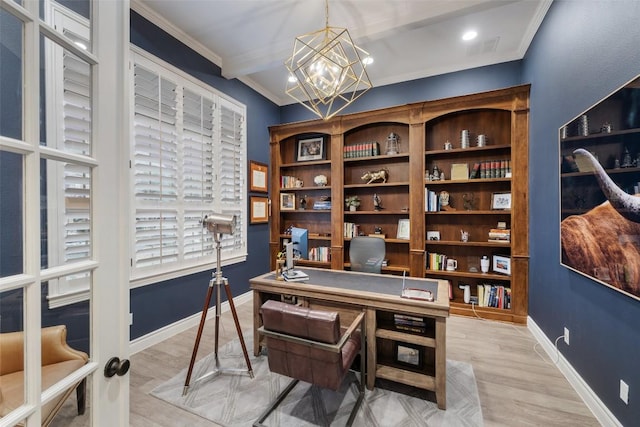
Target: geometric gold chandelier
<point x="327" y="71"/>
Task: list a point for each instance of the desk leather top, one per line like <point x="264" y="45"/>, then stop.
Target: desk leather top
<point x="380" y="283"/>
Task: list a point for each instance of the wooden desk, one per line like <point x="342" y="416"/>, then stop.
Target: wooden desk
<point x="422" y="349"/>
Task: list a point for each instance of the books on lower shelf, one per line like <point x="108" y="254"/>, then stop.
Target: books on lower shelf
<point x="295" y="276"/>
<point x="320" y="253"/>
<point x="409" y="323"/>
<point x="496" y="296"/>
<point x="350" y="229"/>
<point x="365" y="149"/>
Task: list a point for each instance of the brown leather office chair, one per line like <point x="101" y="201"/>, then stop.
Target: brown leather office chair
<point x="308" y="345"/>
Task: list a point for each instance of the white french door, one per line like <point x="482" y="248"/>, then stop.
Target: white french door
<point x="64" y="201"/>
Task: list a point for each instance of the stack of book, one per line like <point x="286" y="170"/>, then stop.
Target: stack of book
<point x="319" y="205"/>
<point x="295" y="276"/>
<point x="409" y="323"/>
<point x="287" y="181"/>
<point x="502" y="235"/>
<point x="431" y="201"/>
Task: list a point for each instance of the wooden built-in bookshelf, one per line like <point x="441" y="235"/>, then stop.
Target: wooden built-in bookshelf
<point x="423" y="129"/>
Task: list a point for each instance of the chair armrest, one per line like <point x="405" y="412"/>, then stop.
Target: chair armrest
<point x="55" y="348"/>
<point x="334" y="348"/>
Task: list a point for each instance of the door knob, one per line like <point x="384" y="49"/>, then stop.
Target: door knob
<point x="116" y="366"/>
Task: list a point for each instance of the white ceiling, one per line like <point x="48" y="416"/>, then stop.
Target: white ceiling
<point x="408" y="39"/>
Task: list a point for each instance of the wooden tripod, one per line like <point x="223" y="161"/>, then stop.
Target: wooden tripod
<point x="217" y="282"/>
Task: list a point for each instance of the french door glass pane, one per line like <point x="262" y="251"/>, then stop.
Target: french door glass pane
<point x="11" y="214"/>
<point x="12" y="347"/>
<point x="11" y="70"/>
<point x="67" y="95"/>
<point x="66" y="219"/>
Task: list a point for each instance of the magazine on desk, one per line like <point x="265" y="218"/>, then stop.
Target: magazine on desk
<point x="295" y="276"/>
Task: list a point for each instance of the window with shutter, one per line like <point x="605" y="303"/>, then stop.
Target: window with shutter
<point x="188" y="159"/>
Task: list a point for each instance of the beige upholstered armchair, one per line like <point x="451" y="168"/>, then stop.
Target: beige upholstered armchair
<point x="309" y="345"/>
<point x="58" y="361"/>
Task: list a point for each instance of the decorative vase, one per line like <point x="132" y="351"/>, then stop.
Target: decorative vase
<point x="352" y="208"/>
<point x="484" y="264"/>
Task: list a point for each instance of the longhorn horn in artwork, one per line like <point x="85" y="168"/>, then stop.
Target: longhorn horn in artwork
<point x="624" y="203"/>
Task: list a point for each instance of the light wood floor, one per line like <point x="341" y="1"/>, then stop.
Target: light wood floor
<point x="517" y="387"/>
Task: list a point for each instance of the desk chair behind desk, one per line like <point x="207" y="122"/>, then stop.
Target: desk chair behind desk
<point x="366" y="254"/>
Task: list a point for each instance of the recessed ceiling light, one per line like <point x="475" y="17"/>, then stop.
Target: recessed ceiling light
<point x="368" y="60"/>
<point x="292" y="78"/>
<point x="469" y="35"/>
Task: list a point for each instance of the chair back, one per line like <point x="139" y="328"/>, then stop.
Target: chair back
<point x="366" y="254"/>
<point x="298" y="350"/>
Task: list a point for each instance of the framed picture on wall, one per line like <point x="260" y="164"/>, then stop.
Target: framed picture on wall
<point x="259" y="210"/>
<point x="258" y="177"/>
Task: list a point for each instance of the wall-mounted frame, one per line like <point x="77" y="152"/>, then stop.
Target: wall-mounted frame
<point x="259" y="207"/>
<point x="312" y="148"/>
<point x="599" y="184"/>
<point x="409" y="354"/>
<point x="502" y="264"/>
<point x="287" y="201"/>
<point x="403" y="229"/>
<point x="501" y="201"/>
<point x="258" y="177"/>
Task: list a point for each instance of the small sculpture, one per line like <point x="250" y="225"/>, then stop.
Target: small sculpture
<point x="377" y="202"/>
<point x="303" y="202"/>
<point x="468" y="201"/>
<point x="436" y="173"/>
<point x="379" y="175"/>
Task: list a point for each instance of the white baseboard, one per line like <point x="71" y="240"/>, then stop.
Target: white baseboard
<point x="593" y="402"/>
<point x="182" y="325"/>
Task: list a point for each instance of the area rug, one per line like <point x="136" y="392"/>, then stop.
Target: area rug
<point x="237" y="400"/>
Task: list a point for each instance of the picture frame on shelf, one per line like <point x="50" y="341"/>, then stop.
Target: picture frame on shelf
<point x="502" y="264"/>
<point x="409" y="354"/>
<point x="258" y="177"/>
<point x="287" y="201"/>
<point x="312" y="148"/>
<point x="433" y="235"/>
<point x="259" y="210"/>
<point x="403" y="229"/>
<point x="501" y="201"/>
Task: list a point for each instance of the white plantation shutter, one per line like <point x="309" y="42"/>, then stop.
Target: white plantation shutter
<point x="68" y="91"/>
<point x="188" y="160"/>
<point x="231" y="172"/>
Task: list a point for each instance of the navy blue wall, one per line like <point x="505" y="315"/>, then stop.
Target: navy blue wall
<point x="582" y="52"/>
<point x="158" y="305"/>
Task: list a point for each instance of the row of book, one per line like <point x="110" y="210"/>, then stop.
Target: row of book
<point x="409" y="323"/>
<point x="491" y="169"/>
<point x="500" y="235"/>
<point x="321" y="253"/>
<point x="496" y="296"/>
<point x="288" y="181"/>
<point x="365" y="149"/>
<point x="431" y="201"/>
<point x="350" y="229"/>
<point x="436" y="261"/>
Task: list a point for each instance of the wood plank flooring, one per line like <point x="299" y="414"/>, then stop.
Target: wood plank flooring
<point x="517" y="387"/>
